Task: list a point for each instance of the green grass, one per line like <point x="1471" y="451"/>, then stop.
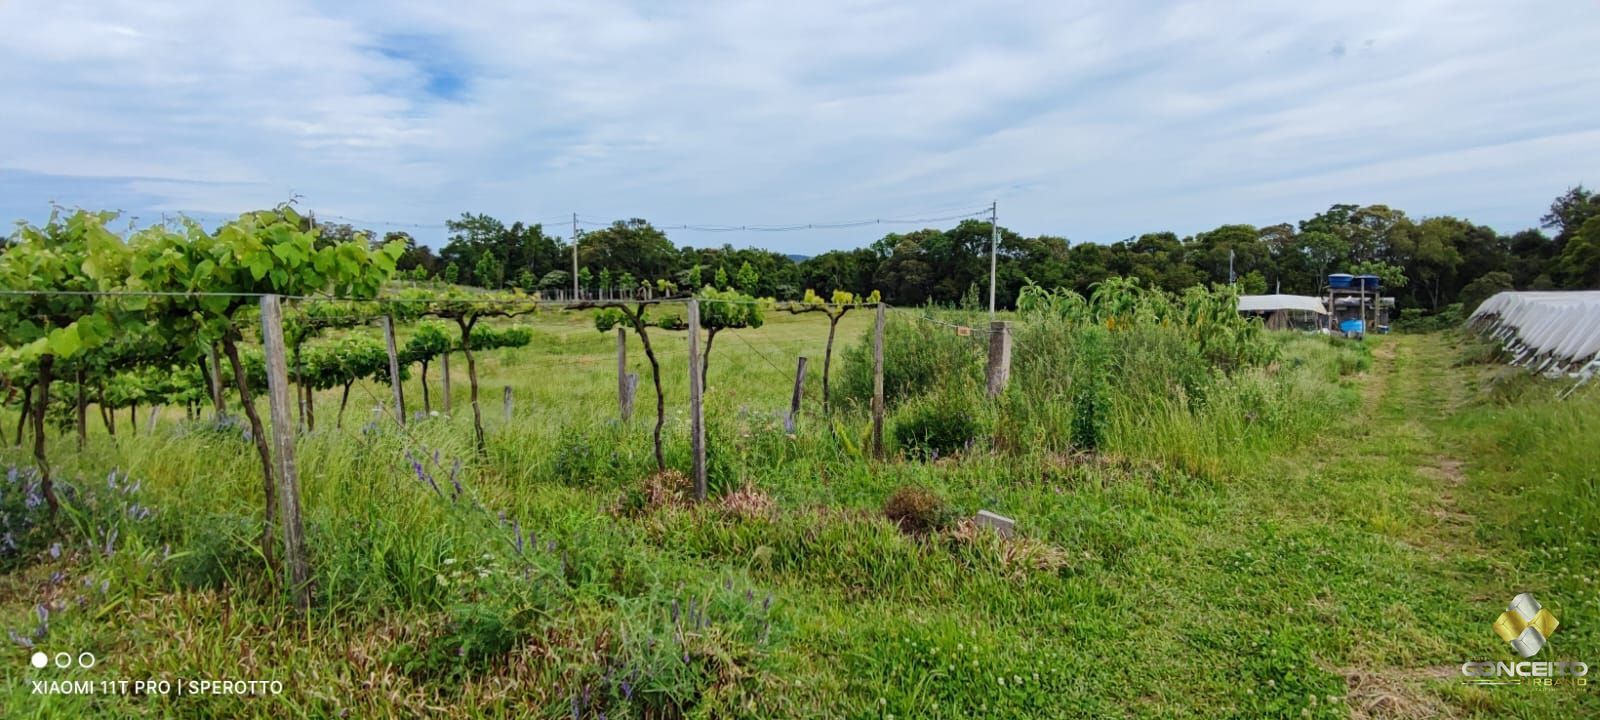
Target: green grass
<point x="1342" y="517"/>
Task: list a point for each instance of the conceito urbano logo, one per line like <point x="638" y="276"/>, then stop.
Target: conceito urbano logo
<point x="1527" y="626"/>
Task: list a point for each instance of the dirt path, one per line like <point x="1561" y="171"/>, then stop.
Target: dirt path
<point x="1412" y="389"/>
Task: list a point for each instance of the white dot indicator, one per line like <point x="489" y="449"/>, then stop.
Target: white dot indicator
<point x="40" y="660"/>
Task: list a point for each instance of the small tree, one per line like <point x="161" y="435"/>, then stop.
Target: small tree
<point x="722" y="278"/>
<point x="747" y="278"/>
<point x="261" y="252"/>
<point x="428" y="342"/>
<point x="555" y="280"/>
<point x="725" y="310"/>
<point x="487" y="272"/>
<point x="693" y="278"/>
<point x="72" y="255"/>
<point x="835" y="308"/>
<point x="343" y="363"/>
<point x="611" y="316"/>
<point x="466" y="309"/>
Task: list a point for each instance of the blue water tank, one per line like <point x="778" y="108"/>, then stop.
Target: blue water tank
<point x="1352" y="326"/>
<point x="1366" y="282"/>
<point x="1340" y="281"/>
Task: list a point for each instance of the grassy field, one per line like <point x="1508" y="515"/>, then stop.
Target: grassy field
<point x="1327" y="536"/>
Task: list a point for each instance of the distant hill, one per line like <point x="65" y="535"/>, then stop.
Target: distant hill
<point x="799" y="258"/>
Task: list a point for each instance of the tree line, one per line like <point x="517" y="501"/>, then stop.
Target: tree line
<point x="1427" y="263"/>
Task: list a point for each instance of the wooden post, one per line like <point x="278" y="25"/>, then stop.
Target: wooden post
<point x="629" y="386"/>
<point x="444" y="369"/>
<point x="999" y="356"/>
<point x="697" y="424"/>
<point x="877" y="384"/>
<point x="624" y="399"/>
<point x="507" y="402"/>
<point x="794" y="400"/>
<point x="294" y="551"/>
<point x="216" y="383"/>
<point x="394" y="370"/>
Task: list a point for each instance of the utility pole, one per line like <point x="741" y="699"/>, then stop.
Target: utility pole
<point x="1231" y="278"/>
<point x="994" y="248"/>
<point x="574" y="257"/>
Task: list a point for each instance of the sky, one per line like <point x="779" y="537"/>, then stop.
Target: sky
<point x="1091" y="121"/>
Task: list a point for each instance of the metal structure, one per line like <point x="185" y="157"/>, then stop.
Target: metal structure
<point x="1553" y="332"/>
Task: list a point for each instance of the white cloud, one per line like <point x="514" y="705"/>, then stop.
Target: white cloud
<point x="1092" y="122"/>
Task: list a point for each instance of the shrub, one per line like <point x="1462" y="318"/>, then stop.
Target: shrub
<point x="917" y="357"/>
<point x="946" y="424"/>
<point x="1091" y="397"/>
<point x="1417" y="320"/>
<point x="917" y="510"/>
<point x="25" y="526"/>
<point x="659" y="489"/>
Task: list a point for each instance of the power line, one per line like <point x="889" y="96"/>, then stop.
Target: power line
<point x="794" y="227"/>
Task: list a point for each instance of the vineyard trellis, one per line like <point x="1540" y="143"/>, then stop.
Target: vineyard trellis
<point x="148" y="318"/>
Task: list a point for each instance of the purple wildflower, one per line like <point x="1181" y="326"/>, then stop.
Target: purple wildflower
<point x="55" y="551"/>
<point x="18" y="639"/>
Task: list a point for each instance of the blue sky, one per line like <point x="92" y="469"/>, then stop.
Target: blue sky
<point x="1091" y="121"/>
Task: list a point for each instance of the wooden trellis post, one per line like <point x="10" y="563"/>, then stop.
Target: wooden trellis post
<point x="624" y="400"/>
<point x="394" y="371"/>
<point x="697" y="424"/>
<point x="630" y="387"/>
<point x="294" y="551"/>
<point x="877" y="384"/>
<point x="999" y="356"/>
<point x="217" y="403"/>
<point x="794" y="400"/>
<point x="444" y="369"/>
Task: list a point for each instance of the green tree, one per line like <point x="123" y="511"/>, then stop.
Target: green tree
<point x="722" y="279"/>
<point x="747" y="278"/>
<point x="1579" y="265"/>
<point x="427" y="343"/>
<point x="260" y="252"/>
<point x="75" y="254"/>
<point x="616" y="315"/>
<point x="834" y="307"/>
<point x="724" y="310"/>
<point x="555" y="280"/>
<point x="1429" y="252"/>
<point x="487" y="272"/>
<point x="1569" y="212"/>
<point x="1482" y="288"/>
<point x="1393" y="277"/>
<point x="634" y="247"/>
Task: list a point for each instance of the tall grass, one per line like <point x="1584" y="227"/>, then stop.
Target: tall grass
<point x="544" y="586"/>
